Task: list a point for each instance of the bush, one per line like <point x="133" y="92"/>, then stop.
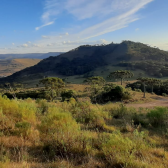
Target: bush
<point x="111" y="93"/>
<point x="137" y="90"/>
<point x="164" y="94"/>
<point x="119" y="112"/>
<point x="82" y="112"/>
<point x="126" y="95"/>
<point x="67" y="94"/>
<point x="158" y="116"/>
<point x="23" y="128"/>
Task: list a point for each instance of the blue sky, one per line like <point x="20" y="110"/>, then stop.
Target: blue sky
<point x="29" y="26"/>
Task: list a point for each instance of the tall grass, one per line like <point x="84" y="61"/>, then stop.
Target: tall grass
<point x="78" y="134"/>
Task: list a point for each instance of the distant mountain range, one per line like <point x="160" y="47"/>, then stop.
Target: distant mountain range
<point x="30" y="55"/>
<point x="87" y="60"/>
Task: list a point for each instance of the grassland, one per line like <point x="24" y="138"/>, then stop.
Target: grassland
<point x="75" y="134"/>
<point x="8" y="67"/>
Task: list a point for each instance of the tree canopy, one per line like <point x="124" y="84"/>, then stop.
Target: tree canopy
<point x="121" y="74"/>
<point x="95" y="80"/>
<point x="54" y="86"/>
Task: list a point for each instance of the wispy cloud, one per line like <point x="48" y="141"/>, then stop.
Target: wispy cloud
<point x="110" y="15"/>
<point x="98" y="17"/>
<point x="47" y="24"/>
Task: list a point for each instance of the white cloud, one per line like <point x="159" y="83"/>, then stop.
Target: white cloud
<point x="47" y="24"/>
<point x="137" y="29"/>
<point x="24" y="45"/>
<point x="29" y="42"/>
<point x="13" y="44"/>
<point x="50" y="44"/>
<point x="36" y="45"/>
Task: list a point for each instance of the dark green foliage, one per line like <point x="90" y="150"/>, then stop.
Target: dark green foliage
<point x="120" y="111"/>
<point x="95" y="80"/>
<point x="79" y="66"/>
<point x="160" y="88"/>
<point x="158" y="116"/>
<point x="34" y="94"/>
<point x="139" y="120"/>
<point x="67" y="94"/>
<point x="152" y="68"/>
<point x="110" y="93"/>
<point x="53" y="85"/>
<point x="144" y="81"/>
<point x="121" y="74"/>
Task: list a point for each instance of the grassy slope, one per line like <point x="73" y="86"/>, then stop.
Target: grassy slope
<point x="8" y="67"/>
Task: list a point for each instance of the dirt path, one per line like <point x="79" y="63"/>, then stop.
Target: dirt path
<point x="158" y="101"/>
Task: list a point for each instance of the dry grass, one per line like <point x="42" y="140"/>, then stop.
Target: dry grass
<point x="8" y="67"/>
<point x="80" y="134"/>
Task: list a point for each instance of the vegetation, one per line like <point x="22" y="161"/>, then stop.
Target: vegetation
<point x="77" y="134"/>
<point x="53" y="85"/>
<point x="121" y="75"/>
<point x="84" y="61"/>
<point x="97" y="124"/>
<point x="144" y="81"/>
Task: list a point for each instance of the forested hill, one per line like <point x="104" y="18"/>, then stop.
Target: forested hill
<point x="86" y="59"/>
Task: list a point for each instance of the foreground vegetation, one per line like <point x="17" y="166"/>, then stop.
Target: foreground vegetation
<point x="73" y="132"/>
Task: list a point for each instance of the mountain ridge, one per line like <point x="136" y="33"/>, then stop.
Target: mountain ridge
<point x="85" y="60"/>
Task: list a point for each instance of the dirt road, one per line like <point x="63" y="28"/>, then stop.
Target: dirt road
<point x="158" y="101"/>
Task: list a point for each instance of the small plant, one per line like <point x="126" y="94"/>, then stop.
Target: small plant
<point x="164" y="94"/>
<point x="120" y="111"/>
<point x="158" y="116"/>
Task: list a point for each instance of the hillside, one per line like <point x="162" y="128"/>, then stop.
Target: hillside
<point x="8" y="67"/>
<point x="89" y="60"/>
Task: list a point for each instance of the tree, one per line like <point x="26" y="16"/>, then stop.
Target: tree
<point x="152" y="82"/>
<point x="121" y="74"/>
<point x="13" y="88"/>
<point x="95" y="82"/>
<point x="144" y="81"/>
<point x="53" y="85"/>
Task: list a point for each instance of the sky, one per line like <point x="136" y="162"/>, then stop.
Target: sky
<point x="41" y="26"/>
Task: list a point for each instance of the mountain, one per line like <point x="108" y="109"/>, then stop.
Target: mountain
<point x="99" y="60"/>
<point x="30" y="55"/>
<point x="8" y="67"/>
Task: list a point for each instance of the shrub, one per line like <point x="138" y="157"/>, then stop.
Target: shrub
<point x="164" y="94"/>
<point x="126" y="95"/>
<point x="119" y="112"/>
<point x="110" y="93"/>
<point x="137" y="90"/>
<point x="61" y="135"/>
<point x="67" y="94"/>
<point x="158" y="116"/>
<point x="43" y="105"/>
<point x="23" y="128"/>
<point x="122" y="151"/>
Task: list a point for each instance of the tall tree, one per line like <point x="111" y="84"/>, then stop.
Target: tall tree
<point x="53" y="85"/>
<point x="95" y="82"/>
<point x="121" y="74"/>
<point x="152" y="82"/>
<point x="144" y="81"/>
